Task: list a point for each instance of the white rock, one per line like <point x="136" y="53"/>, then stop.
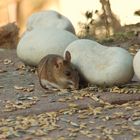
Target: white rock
<point x="100" y="64"/>
<point x="37" y="43"/>
<point x="49" y="18"/>
<point x="136" y="64"/>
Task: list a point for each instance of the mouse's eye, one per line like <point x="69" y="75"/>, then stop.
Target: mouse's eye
<point x="67" y="73"/>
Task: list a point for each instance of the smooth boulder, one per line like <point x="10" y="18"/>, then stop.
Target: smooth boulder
<point x="99" y="64"/>
<point x="49" y="18"/>
<point x="136" y="64"/>
<point x="36" y="44"/>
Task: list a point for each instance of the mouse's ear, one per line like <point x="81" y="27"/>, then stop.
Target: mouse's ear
<point x="67" y="56"/>
<point x="58" y="63"/>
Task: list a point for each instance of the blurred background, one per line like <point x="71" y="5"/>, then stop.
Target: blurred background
<point x="98" y="18"/>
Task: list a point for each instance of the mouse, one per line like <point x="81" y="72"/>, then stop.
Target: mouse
<point x="57" y="72"/>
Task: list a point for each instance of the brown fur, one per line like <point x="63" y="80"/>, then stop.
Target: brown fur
<point x="58" y="70"/>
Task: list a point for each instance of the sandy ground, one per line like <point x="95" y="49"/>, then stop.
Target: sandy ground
<point x="29" y="112"/>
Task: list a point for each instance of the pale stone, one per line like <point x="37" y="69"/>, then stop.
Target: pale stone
<point x="100" y="64"/>
<point x="49" y="18"/>
<point x="36" y="44"/>
<point x="136" y="64"/>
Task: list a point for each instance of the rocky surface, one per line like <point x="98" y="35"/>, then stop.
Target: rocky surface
<point x="136" y="64"/>
<point x="101" y="65"/>
<point x="36" y="44"/>
<point x="29" y="112"/>
<point x="49" y="18"/>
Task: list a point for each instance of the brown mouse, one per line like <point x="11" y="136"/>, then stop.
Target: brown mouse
<point x="56" y="72"/>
